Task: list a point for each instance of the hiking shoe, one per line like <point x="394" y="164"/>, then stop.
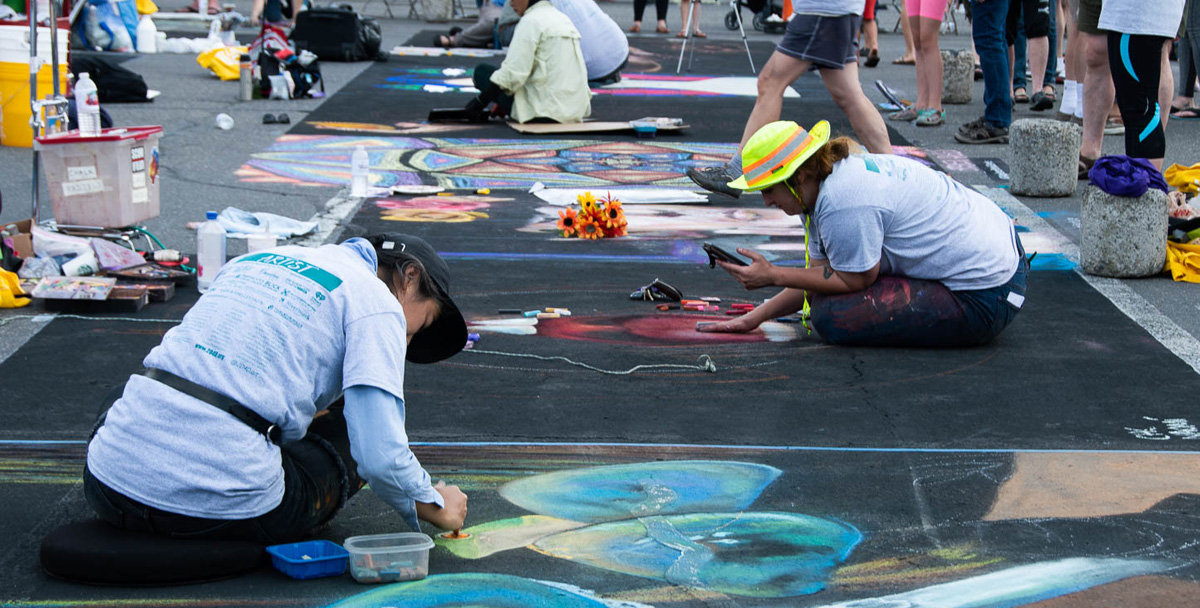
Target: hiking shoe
<point x="907" y="114"/>
<point x="931" y="118"/>
<point x="983" y="134"/>
<point x="1040" y="101"/>
<point x="714" y="179"/>
<point x="974" y="124"/>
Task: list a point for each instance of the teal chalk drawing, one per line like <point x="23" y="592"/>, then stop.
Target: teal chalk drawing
<point x="1017" y="586"/>
<point x="610" y="493"/>
<point x="492" y="590"/>
<point x="747" y="554"/>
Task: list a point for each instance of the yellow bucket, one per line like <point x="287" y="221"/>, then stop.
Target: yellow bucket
<point x="15" y="111"/>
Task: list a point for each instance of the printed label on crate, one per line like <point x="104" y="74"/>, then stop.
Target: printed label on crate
<point x="90" y="186"/>
<point x="138" y="165"/>
<point x="141" y="195"/>
<point x="137" y="153"/>
<point x="75" y="174"/>
<point x="139" y="180"/>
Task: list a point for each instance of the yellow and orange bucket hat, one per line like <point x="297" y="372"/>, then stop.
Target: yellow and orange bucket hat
<point x="775" y="152"/>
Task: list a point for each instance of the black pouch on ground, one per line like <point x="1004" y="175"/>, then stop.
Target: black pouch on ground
<point x="338" y="34"/>
<point x="114" y="83"/>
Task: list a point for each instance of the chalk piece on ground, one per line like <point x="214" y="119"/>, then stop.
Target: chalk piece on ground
<point x="548" y="315"/>
<point x="445" y="194"/>
<point x="711" y="308"/>
<point x="711" y="299"/>
<point x="483" y="191"/>
<point x="532" y="313"/>
<point x="510" y="311"/>
<point x="735" y="312"/>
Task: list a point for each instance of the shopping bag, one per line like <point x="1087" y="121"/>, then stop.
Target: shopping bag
<point x="1183" y="262"/>
<point x="223" y="61"/>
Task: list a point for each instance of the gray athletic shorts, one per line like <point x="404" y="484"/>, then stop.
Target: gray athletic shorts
<point x="828" y="42"/>
<point x="1089" y="16"/>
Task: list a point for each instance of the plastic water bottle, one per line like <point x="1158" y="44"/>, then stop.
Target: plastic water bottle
<point x="210" y="251"/>
<point x="147" y="36"/>
<point x="360" y="172"/>
<point x="87" y="106"/>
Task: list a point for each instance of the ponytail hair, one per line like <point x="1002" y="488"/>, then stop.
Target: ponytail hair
<point x="820" y="164"/>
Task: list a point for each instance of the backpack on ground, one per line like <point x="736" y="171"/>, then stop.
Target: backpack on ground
<point x="337" y="33"/>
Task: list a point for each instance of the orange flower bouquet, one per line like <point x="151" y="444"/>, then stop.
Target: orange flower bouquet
<point x="595" y="219"/>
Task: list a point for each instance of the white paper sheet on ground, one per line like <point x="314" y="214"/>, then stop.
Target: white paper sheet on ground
<point x="628" y="196"/>
<point x="722" y="85"/>
<point x="429" y="51"/>
<point x="1016" y="586"/>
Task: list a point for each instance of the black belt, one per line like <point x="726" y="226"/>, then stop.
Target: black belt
<point x="248" y="416"/>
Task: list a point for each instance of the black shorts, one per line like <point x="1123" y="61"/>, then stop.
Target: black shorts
<point x="828" y="42"/>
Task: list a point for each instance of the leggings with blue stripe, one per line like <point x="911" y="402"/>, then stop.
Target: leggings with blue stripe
<point x="1136" y="62"/>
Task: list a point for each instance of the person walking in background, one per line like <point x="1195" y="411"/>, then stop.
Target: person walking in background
<point x="869" y="40"/>
<point x="910" y="55"/>
<point x="1138" y="34"/>
<point x="821" y="34"/>
<point x="1036" y="15"/>
<point x="987" y="31"/>
<point x="925" y="21"/>
<point x="1188" y="50"/>
<point x="660" y="9"/>
<point x="684" y="7"/>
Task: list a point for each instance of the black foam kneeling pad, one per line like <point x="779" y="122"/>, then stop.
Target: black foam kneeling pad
<point x="96" y="553"/>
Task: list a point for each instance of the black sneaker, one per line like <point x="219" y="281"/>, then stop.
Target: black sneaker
<point x="714" y="179"/>
<point x="983" y="134"/>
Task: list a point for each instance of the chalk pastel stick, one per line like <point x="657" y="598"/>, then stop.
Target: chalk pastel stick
<point x="548" y="315"/>
<point x="532" y="313"/>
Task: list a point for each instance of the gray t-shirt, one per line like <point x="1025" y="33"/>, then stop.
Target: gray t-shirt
<point x="281" y="332"/>
<point x="914" y="222"/>
<point x="828" y="8"/>
<point x="1144" y="17"/>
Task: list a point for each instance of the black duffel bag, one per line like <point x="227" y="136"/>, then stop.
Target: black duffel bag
<point x="337" y="33"/>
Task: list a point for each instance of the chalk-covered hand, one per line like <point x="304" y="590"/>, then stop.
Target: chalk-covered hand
<point x="758" y="274"/>
<point x="453" y="512"/>
<point x="738" y="325"/>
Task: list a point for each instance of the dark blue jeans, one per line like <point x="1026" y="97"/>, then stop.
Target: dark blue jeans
<point x="319" y="477"/>
<point x="899" y="311"/>
<point x="988" y="20"/>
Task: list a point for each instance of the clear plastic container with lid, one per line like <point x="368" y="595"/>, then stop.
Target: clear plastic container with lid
<point x="389" y="558"/>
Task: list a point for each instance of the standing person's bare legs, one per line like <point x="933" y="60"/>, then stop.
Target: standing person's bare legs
<point x="929" y="64"/>
<point x="1074" y="69"/>
<point x="684" y="7"/>
<point x="909" y="53"/>
<point x="847" y="93"/>
<point x="1098" y="95"/>
<point x="1166" y="86"/>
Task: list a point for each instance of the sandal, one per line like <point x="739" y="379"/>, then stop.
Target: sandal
<point x="1085" y="165"/>
<point x="978" y="72"/>
<point x="907" y="114"/>
<point x="635" y="28"/>
<point x="1185" y="113"/>
<point x="700" y="35"/>
<point x="872" y="58"/>
<point x="681" y="34"/>
<point x="1022" y="97"/>
<point x="662" y="29"/>
<point x="982" y="134"/>
<point x="904" y="61"/>
<point x="931" y="118"/>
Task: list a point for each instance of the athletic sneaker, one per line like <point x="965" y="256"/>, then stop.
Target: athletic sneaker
<point x="1114" y="127"/>
<point x="714" y="179"/>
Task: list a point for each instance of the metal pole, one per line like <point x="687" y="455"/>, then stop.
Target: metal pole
<point x="736" y="11"/>
<point x="33" y="76"/>
<point x="54" y="45"/>
<point x="687" y="36"/>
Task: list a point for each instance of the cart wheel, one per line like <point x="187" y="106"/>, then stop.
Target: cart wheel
<point x="758" y="23"/>
<point x="731" y="20"/>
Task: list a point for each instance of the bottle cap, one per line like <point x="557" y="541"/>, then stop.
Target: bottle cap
<point x="212" y="215"/>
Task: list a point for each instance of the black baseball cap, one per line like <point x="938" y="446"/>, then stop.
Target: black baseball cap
<point x="447" y="335"/>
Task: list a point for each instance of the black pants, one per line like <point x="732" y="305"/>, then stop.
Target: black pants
<point x="1136" y="63"/>
<point x="1036" y="16"/>
<point x="319" y="477"/>
<point x="660" y="7"/>
<point x="482" y="78"/>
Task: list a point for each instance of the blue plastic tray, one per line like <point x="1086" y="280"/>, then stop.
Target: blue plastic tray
<point x="309" y="559"/>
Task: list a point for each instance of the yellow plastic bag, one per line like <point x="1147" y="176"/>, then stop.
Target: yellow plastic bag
<point x="1183" y="262"/>
<point x="223" y="61"/>
<point x="10" y="289"/>
<point x="146" y="7"/>
<point x="1183" y="178"/>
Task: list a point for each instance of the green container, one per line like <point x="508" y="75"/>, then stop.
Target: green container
<point x="17" y="5"/>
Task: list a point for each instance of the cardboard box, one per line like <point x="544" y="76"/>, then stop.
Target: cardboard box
<point x="23" y="242"/>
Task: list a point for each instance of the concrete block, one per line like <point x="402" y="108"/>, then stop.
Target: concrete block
<point x="1121" y="236"/>
<point x="1044" y="157"/>
<point x="958" y="76"/>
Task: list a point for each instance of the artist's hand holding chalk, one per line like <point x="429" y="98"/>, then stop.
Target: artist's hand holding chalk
<point x="453" y="512"/>
<point x="758" y="274"/>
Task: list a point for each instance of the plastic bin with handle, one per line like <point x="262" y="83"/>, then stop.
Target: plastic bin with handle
<point x="109" y="181"/>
